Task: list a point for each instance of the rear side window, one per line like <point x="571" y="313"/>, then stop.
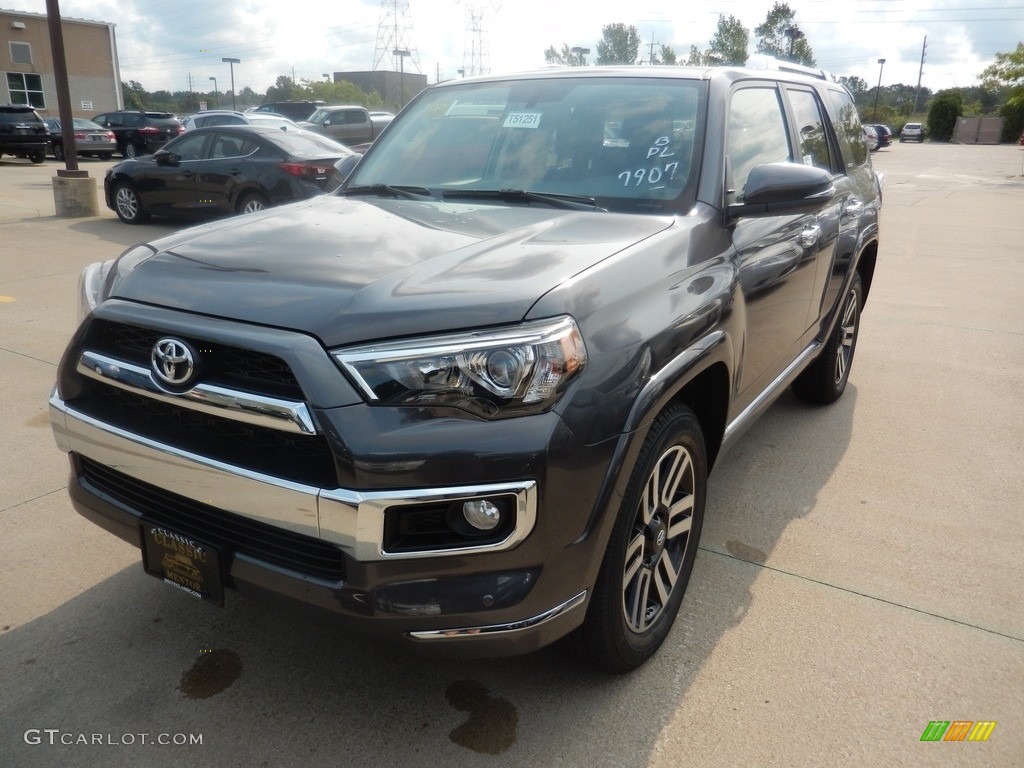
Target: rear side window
<point x="812" y="138"/>
<point x="848" y="128"/>
<point x="757" y="134"/>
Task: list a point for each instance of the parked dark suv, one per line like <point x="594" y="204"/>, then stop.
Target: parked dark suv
<point x="138" y="132"/>
<point x="471" y="401"/>
<point x="23" y="133"/>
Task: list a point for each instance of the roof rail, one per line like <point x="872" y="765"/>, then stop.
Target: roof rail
<point x="761" y="61"/>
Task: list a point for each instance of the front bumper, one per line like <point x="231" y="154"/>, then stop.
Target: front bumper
<point x="503" y="597"/>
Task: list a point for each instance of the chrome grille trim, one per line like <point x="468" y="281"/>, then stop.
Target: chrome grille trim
<point x="259" y="410"/>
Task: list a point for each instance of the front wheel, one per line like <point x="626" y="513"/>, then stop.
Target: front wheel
<point x="128" y="204"/>
<point x="58" y="152"/>
<point x="130" y="151"/>
<point x="38" y="157"/>
<point x="252" y="202"/>
<point x="652" y="548"/>
<point x="824" y="380"/>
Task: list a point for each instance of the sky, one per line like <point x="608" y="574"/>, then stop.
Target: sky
<point x="165" y="45"/>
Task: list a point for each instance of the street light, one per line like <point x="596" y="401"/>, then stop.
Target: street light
<point x="401" y="53"/>
<point x="215" y="90"/>
<point x="881" y="64"/>
<point x="232" y="62"/>
<point x="581" y="52"/>
<point x="327" y="76"/>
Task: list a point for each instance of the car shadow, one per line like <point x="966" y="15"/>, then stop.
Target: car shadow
<point x="131" y="656"/>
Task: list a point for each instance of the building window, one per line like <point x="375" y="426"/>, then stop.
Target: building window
<point x="26" y="89"/>
<point x="21" y="53"/>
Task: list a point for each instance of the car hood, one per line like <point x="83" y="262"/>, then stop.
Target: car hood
<point x="349" y="270"/>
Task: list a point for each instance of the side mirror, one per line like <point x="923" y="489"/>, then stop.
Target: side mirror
<point x="163" y="157"/>
<point x="780" y="188"/>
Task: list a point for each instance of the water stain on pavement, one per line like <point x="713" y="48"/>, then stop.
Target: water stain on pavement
<point x="213" y="672"/>
<point x="492" y="723"/>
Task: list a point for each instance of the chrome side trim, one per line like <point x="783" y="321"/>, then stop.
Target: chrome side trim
<point x="355" y="521"/>
<point x="352" y="520"/>
<point x="259" y="410"/>
<point x="763" y="400"/>
<point x="502" y="629"/>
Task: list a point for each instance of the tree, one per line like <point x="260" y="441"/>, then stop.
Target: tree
<point x="855" y="85"/>
<point x="779" y="35"/>
<point x="945" y="108"/>
<point x="1006" y="71"/>
<point x="284" y="89"/>
<point x="565" y="57"/>
<point x="135" y="96"/>
<point x="1006" y="75"/>
<point x="619" y="44"/>
<point x="729" y="44"/>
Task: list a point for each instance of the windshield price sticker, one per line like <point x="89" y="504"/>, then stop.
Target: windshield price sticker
<point x="522" y="120"/>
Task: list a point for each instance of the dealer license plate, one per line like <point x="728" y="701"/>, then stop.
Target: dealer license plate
<point x="182" y="562"/>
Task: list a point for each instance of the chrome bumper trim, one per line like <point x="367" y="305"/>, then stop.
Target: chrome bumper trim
<point x="502" y="629"/>
<point x="352" y="520"/>
<point x="259" y="410"/>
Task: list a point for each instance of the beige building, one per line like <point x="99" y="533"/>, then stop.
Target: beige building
<point x="26" y="64"/>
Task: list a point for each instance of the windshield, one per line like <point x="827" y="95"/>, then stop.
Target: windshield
<point x="626" y="142"/>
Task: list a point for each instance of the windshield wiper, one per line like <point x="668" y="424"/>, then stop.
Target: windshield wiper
<point x="571" y="202"/>
<point x="409" y="193"/>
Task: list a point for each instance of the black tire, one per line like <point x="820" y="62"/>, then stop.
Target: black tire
<point x="651" y="551"/>
<point x="105" y="155"/>
<point x="252" y="202"/>
<point x="38" y="157"/>
<point x="129" y="151"/>
<point x="128" y="205"/>
<point x="58" y="151"/>
<point x="824" y="380"/>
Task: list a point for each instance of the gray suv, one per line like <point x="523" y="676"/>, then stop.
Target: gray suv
<point x="470" y="402"/>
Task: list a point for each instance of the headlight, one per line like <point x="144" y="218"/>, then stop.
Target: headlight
<point x="496" y="373"/>
<point x="92" y="287"/>
<point x="95" y="280"/>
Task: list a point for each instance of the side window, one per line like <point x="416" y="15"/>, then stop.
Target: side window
<point x="810" y="128"/>
<point x="231" y="146"/>
<point x="191" y="147"/>
<point x="353" y="117"/>
<point x="757" y="134"/>
<point x="848" y="128"/>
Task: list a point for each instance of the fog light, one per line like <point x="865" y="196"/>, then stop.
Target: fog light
<point x="481" y="514"/>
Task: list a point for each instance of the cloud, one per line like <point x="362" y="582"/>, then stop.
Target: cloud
<point x="162" y="45"/>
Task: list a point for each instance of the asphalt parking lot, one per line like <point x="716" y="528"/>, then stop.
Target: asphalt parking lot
<point x="861" y="572"/>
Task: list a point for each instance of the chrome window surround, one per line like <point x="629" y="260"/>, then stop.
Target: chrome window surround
<point x="352" y="520"/>
<point x="260" y="410"/>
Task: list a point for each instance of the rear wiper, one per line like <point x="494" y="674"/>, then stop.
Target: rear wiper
<point x="572" y="202"/>
<point x="409" y="193"/>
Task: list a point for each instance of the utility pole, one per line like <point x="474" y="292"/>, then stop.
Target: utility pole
<point x="651" y="46"/>
<point x="920" y="72"/>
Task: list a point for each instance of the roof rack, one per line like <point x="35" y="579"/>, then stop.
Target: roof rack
<point x="761" y="61"/>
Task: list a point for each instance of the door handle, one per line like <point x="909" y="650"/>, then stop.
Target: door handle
<point x="853" y="207"/>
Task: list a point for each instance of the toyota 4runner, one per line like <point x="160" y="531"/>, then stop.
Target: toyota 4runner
<point x="471" y="400"/>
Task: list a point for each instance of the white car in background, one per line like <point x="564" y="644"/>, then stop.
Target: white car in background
<point x="231" y="117"/>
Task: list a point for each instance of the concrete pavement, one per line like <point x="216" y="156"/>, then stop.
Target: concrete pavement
<point x="861" y="571"/>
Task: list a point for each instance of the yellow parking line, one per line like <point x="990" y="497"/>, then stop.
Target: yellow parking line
<point x="7" y="299"/>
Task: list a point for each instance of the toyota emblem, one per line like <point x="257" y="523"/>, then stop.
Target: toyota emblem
<point x="173" y="361"/>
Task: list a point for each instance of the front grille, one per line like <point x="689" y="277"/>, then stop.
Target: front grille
<point x="305" y="459"/>
<point x="220" y="363"/>
<point x="230" y="532"/>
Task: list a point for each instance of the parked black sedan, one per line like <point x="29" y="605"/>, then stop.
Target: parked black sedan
<point x="224" y="170"/>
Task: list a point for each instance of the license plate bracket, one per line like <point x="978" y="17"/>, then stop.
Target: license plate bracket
<point x="177" y="559"/>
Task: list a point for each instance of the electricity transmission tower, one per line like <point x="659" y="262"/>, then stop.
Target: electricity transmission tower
<point x="394" y="38"/>
<point x="476" y="54"/>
